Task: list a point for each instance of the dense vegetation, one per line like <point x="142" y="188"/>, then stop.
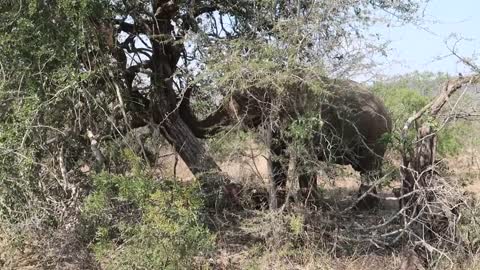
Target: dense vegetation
<point x="82" y="125"/>
<point x="407" y="94"/>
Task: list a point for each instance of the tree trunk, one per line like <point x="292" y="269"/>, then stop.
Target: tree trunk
<point x="164" y="107"/>
<point x="190" y="149"/>
<point x="193" y="153"/>
<point x="292" y="177"/>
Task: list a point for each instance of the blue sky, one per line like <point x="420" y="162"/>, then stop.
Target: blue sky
<point x="422" y="47"/>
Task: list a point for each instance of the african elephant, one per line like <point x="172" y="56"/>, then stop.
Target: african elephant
<point x="354" y="124"/>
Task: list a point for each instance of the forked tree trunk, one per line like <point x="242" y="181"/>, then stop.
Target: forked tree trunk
<point x="164" y="107"/>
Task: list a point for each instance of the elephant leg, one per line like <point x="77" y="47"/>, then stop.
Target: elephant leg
<point x="369" y="166"/>
<point x="309" y="187"/>
<point x="369" y="200"/>
<point x="279" y="158"/>
<point x="279" y="167"/>
<point x="308" y="183"/>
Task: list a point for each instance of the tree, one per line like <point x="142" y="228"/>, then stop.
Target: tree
<point x="247" y="46"/>
<point x="66" y="86"/>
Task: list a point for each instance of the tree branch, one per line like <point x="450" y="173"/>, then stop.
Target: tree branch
<point x="436" y="105"/>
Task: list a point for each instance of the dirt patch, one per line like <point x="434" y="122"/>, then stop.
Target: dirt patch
<point x="252" y="165"/>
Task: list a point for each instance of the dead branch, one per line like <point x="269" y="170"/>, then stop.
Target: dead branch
<point x="430" y="207"/>
<point x="99" y="157"/>
<point x="63" y="168"/>
<point x="436" y="105"/>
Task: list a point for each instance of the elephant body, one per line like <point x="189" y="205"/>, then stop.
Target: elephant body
<point x="354" y="124"/>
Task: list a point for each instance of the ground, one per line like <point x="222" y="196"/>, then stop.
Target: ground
<point x="244" y="238"/>
<point x="331" y="236"/>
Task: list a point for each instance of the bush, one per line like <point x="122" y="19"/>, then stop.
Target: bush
<point x="469" y="226"/>
<point x="454" y="137"/>
<point x="403" y="103"/>
<point x="138" y="223"/>
<point x="230" y="144"/>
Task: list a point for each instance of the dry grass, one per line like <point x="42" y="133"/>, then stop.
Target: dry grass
<point x="33" y="248"/>
<point x="324" y="240"/>
<point x="327" y="237"/>
<point x="265" y="240"/>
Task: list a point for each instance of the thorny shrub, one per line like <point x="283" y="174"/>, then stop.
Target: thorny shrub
<point x="139" y="223"/>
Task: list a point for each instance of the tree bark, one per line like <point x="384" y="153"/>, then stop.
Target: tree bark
<point x="164" y="109"/>
<point x="190" y="149"/>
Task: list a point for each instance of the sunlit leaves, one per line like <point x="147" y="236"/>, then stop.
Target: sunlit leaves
<point x="135" y="213"/>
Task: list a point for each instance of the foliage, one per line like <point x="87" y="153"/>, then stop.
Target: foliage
<point x="405" y="95"/>
<point x="44" y="95"/>
<point x="54" y="87"/>
<point x="16" y="164"/>
<point x="304" y="128"/>
<point x="227" y="145"/>
<point x="301" y="135"/>
<point x="469" y="226"/>
<point x="139" y="223"/>
<point x="296" y="224"/>
<point x="283" y="47"/>
<point x="453" y="138"/>
<point x="401" y="102"/>
<point x="424" y="83"/>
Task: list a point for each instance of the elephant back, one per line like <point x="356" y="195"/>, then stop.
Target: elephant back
<point x="355" y="122"/>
